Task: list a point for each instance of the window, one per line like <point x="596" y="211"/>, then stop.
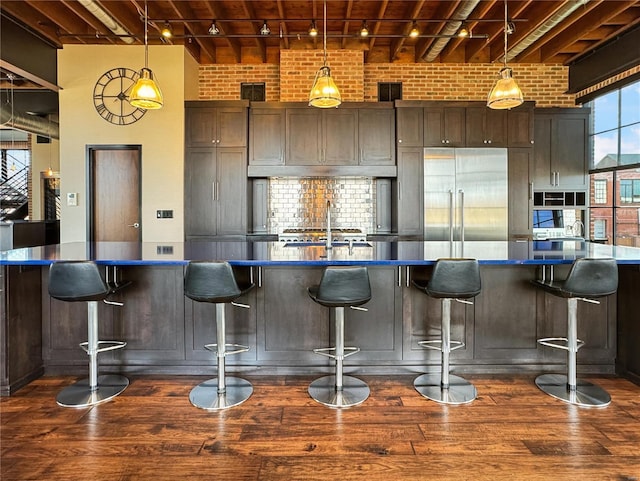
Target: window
<point x="600" y="191"/>
<point x="252" y="91"/>
<point x="389" y="91"/>
<point x="615" y="166"/>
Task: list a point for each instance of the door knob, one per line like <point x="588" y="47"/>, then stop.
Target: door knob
<point x="135" y="225"/>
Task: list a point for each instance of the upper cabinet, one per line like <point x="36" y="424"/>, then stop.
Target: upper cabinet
<point x="485" y="127"/>
<point x="376" y="136"/>
<point x="444" y="126"/>
<point x="560" y="149"/>
<point x="462" y="124"/>
<point x="266" y="136"/>
<point x="216" y="124"/>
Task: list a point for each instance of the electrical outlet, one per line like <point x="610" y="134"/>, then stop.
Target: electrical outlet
<point x="164" y="250"/>
<point x="164" y="214"/>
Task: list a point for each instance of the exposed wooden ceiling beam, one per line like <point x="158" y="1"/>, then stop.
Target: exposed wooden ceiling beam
<point x="397" y="43"/>
<point x="260" y="42"/>
<point x="36" y="21"/>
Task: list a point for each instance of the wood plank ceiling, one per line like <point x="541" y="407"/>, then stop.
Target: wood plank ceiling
<point x="545" y="31"/>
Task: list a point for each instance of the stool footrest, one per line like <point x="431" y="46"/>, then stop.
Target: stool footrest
<point x="108" y="346"/>
<point x="553" y="342"/>
<point x="438" y="347"/>
<point x="237" y="348"/>
<point x="326" y="351"/>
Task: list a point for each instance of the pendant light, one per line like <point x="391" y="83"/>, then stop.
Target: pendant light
<point x="505" y="93"/>
<point x="146" y="94"/>
<point x="324" y="93"/>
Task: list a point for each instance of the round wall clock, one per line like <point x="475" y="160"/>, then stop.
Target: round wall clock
<point x="111" y="96"/>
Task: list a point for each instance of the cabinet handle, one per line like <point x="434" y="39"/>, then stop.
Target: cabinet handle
<point x="408" y="274"/>
<point x="553" y="178"/>
<point x="213" y="190"/>
<point x="488" y="141"/>
<point x="530" y="190"/>
<point x="217" y="190"/>
<point x="443" y="141"/>
<point x="399" y="190"/>
<point x="399" y="276"/>
<point x="557" y="178"/>
<point x="399" y="141"/>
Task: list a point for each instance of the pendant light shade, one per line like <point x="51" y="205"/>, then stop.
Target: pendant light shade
<point x="505" y="94"/>
<point x="324" y="93"/>
<point x="146" y="94"/>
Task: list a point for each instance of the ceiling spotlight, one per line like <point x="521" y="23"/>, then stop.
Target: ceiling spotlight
<point x="414" y="31"/>
<point x="213" y="29"/>
<point x="364" y="30"/>
<point x="167" y="31"/>
<point x="265" y="30"/>
<point x="510" y="28"/>
<point x="464" y="31"/>
<point x="313" y="30"/>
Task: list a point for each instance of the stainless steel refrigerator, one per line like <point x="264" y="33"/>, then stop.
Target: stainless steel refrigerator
<point x="465" y="194"/>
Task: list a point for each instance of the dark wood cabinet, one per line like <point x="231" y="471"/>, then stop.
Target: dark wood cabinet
<point x="560" y="149"/>
<point x="322" y="137"/>
<point x="444" y="126"/>
<point x="216" y="186"/>
<point x="376" y="136"/>
<point x="410" y="126"/>
<point x="485" y="127"/>
<point x="384" y="202"/>
<point x="20" y="327"/>
<point x="260" y="204"/>
<point x="520" y="126"/>
<point x="520" y="193"/>
<point x="409" y="193"/>
<point x="207" y="126"/>
<point x="215" y="192"/>
<point x="267" y="136"/>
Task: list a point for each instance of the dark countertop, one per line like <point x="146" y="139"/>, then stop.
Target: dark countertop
<point x="276" y="253"/>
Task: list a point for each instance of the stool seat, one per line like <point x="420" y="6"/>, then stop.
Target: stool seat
<point x="587" y="280"/>
<point x="340" y="287"/>
<point x="451" y="279"/>
<point x="215" y="282"/>
<point x="81" y="281"/>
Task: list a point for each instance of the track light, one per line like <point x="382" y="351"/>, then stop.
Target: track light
<point x="213" y="29"/>
<point x="414" y="31"/>
<point x="265" y="30"/>
<point x="464" y="31"/>
<point x="313" y="30"/>
<point x="364" y="30"/>
<point x="167" y="31"/>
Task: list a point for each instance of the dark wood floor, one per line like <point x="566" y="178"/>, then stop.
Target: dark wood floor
<point x="512" y="431"/>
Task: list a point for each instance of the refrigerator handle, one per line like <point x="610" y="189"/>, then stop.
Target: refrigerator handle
<point x="461" y="192"/>
<point x="450" y="216"/>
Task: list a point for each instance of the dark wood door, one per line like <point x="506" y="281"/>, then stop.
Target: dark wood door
<point x="409" y="192"/>
<point x="200" y="192"/>
<point x="115" y="194"/>
<point x="376" y="136"/>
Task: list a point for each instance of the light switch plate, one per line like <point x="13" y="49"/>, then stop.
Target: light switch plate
<point x="72" y="198"/>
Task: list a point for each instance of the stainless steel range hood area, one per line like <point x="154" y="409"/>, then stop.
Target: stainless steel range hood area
<point x="465" y="194"/>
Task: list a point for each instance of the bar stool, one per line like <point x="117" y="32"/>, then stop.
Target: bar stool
<point x="215" y="282"/>
<point x="80" y="281"/>
<point x="587" y="280"/>
<point x="451" y="279"/>
<point x="340" y="287"/>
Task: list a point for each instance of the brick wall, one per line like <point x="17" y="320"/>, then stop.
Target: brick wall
<point x="291" y="80"/>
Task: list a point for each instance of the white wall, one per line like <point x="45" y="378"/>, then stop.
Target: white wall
<point x="159" y="132"/>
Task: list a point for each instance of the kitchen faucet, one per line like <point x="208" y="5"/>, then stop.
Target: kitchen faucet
<point x="578" y="228"/>
<point x="328" y="240"/>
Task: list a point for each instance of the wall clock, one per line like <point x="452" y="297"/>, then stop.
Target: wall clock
<point x="111" y="96"/>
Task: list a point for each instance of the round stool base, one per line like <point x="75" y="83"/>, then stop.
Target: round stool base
<point x="460" y="391"/>
<point x="80" y="395"/>
<point x="205" y="395"/>
<point x="585" y="395"/>
<point x="354" y="391"/>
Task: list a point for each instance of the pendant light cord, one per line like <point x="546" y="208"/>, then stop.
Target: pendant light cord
<point x="146" y="49"/>
<point x="324" y="38"/>
<point x="505" y="34"/>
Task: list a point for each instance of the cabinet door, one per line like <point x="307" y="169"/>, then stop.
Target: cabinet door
<point x="410" y="126"/>
<point x="340" y="137"/>
<point x="266" y="136"/>
<point x="444" y="126"/>
<point x="376" y="136"/>
<point x="409" y="191"/>
<point x="520" y="193"/>
<point x="290" y="324"/>
<point x="231" y="191"/>
<point x="260" y="199"/>
<point x="383" y="205"/>
<point x="485" y="127"/>
<point x="569" y="151"/>
<point x="543" y="176"/>
<point x="231" y="127"/>
<point x="304" y="130"/>
<point x="520" y="127"/>
<point x="200" y="178"/>
<point x="201" y="130"/>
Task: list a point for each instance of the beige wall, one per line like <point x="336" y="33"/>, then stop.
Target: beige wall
<point x="160" y="133"/>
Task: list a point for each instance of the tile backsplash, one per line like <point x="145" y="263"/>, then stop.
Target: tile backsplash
<point x="301" y="202"/>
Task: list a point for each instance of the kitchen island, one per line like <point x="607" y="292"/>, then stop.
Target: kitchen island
<point x="165" y="332"/>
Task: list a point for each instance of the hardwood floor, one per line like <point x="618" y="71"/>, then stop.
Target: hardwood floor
<point x="512" y="431"/>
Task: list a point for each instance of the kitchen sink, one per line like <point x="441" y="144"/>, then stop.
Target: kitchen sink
<point x="335" y="243"/>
